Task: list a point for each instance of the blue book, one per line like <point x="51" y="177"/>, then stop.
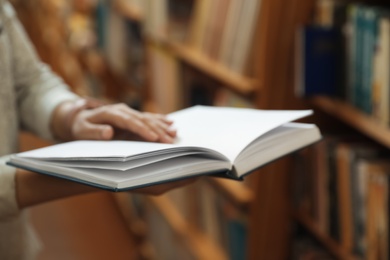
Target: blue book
<point x="320" y="61"/>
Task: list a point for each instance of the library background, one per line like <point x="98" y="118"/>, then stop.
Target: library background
<point x="328" y="201"/>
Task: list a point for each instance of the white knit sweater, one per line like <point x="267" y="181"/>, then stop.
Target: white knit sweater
<point x="29" y="92"/>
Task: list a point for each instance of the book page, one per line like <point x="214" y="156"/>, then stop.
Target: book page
<point x="114" y="165"/>
<point x="89" y="150"/>
<point x="227" y="130"/>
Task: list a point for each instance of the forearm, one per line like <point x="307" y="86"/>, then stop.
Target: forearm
<point x="33" y="188"/>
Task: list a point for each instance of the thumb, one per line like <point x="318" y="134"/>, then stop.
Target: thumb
<point x="91" y="131"/>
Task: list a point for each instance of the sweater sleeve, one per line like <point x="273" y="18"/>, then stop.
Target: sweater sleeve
<point x="8" y="204"/>
<point x="38" y="89"/>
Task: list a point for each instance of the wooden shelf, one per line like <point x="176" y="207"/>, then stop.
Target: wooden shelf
<point x="355" y="118"/>
<point x="235" y="81"/>
<point x="236" y="192"/>
<point x="238" y="83"/>
<point x="331" y="245"/>
<point x="199" y="243"/>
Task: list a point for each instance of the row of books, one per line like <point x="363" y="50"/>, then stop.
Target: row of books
<point x="224" y="30"/>
<point x="121" y="41"/>
<point x="221" y="29"/>
<point x="346" y="53"/>
<point x="146" y="63"/>
<point x="344" y="186"/>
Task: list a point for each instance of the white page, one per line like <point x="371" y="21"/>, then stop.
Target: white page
<point x="228" y="130"/>
<point x="115" y="165"/>
<point x="177" y="167"/>
<point x="96" y="149"/>
<point x="276" y="143"/>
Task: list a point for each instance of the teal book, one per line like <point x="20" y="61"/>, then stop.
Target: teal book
<point x="358" y="59"/>
<point x="370" y="38"/>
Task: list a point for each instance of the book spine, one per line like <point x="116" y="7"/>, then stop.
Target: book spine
<point x="369" y="34"/>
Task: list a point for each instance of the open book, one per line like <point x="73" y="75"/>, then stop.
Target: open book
<point x="219" y="141"/>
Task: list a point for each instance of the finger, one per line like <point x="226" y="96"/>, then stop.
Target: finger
<point x="161" y="117"/>
<point x="168" y="124"/>
<point x="155" y="123"/>
<point x="168" y="131"/>
<point x="160" y="128"/>
<point x="129" y="120"/>
<point x="90" y="131"/>
<point x="162" y="122"/>
<point x="172" y="132"/>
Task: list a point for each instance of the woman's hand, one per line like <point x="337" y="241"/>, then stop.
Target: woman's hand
<point x="76" y="120"/>
<point x="121" y="122"/>
<point x="89" y="119"/>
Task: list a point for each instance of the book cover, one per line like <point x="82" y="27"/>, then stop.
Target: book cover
<point x="369" y="47"/>
<point x="319" y="61"/>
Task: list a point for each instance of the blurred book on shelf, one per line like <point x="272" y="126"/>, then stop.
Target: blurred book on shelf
<point x="357" y="69"/>
<point x="348" y="197"/>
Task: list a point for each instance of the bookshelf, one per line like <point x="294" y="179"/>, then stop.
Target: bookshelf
<point x="349" y="123"/>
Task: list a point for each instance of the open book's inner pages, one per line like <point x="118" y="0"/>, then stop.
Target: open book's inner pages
<point x="228" y="130"/>
<point x="115" y="165"/>
<point x="99" y="150"/>
<point x="175" y="168"/>
<point x="275" y="144"/>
